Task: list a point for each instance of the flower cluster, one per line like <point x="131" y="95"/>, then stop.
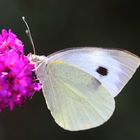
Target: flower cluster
<point x="17" y="80"/>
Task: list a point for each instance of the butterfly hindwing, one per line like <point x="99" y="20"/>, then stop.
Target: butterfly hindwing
<point x="76" y="99"/>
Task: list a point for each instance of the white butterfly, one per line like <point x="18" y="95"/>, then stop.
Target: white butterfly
<point x="79" y="84"/>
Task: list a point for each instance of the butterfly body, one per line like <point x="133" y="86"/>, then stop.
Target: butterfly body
<point x="79" y="84"/>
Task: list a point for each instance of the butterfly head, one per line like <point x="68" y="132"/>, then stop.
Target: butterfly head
<point x="35" y="59"/>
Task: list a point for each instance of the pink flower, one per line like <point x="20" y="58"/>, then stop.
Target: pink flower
<point x="17" y="79"/>
<point x="9" y="40"/>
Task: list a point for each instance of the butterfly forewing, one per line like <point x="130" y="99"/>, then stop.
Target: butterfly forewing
<point x="112" y="67"/>
<point x="76" y="99"/>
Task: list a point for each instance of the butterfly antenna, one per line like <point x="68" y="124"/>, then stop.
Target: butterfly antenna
<point x="28" y="32"/>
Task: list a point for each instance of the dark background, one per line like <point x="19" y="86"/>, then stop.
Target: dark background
<point x="58" y="24"/>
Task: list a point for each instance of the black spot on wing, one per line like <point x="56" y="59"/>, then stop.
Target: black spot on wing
<point x="102" y="71"/>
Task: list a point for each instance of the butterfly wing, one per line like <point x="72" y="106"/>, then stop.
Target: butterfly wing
<point x="112" y="67"/>
<point x="75" y="98"/>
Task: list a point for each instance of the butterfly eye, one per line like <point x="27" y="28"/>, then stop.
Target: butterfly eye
<point x="102" y="71"/>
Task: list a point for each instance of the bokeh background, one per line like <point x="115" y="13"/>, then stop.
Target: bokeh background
<point x="58" y="24"/>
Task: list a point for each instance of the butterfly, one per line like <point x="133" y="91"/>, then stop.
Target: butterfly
<point x="80" y="84"/>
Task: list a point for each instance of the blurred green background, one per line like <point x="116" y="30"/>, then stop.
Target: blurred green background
<point x="58" y="24"/>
